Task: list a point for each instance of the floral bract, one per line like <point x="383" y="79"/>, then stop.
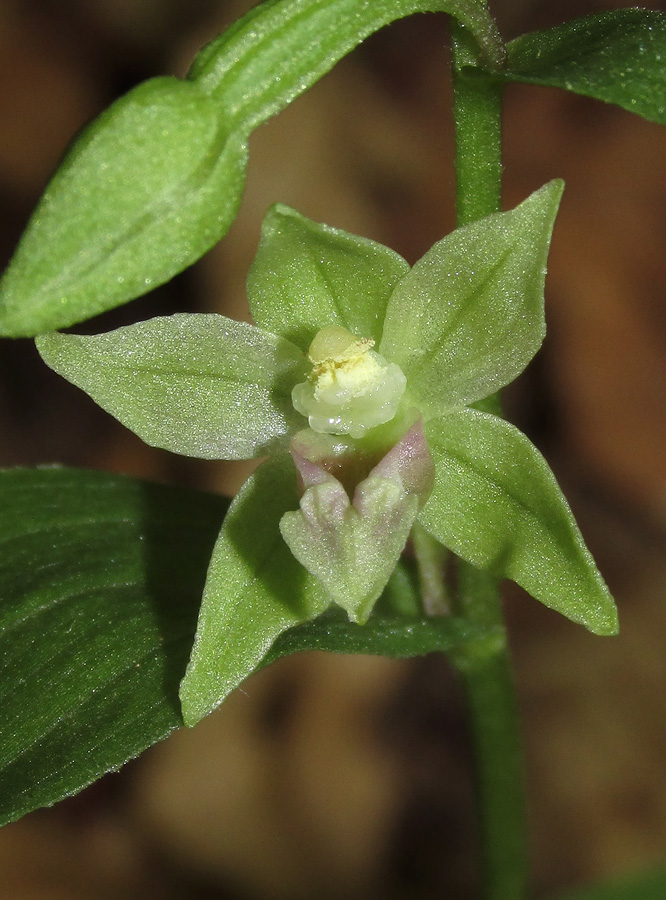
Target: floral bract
<point x="359" y="381"/>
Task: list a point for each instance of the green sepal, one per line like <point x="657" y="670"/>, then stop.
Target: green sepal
<point x="469" y="316"/>
<point x="307" y="276"/>
<point x="145" y="190"/>
<point x="254" y="591"/>
<point x="100" y="583"/>
<point x="617" y="56"/>
<point x="196" y="384"/>
<point x="280" y="49"/>
<point x="497" y="505"/>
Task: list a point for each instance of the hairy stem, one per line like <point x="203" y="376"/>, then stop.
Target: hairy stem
<point x="478" y="132"/>
<point x="486" y="671"/>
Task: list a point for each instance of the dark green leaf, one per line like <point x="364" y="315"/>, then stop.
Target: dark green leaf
<point x="347" y="280"/>
<point x="618" y="56"/>
<point x="100" y="581"/>
<point x="200" y="385"/>
<point x="397" y="637"/>
<point x="497" y="505"/>
<point x="280" y="49"/>
<point x="645" y="886"/>
<point x="145" y="190"/>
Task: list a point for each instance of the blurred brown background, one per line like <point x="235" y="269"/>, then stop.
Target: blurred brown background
<point x="330" y="777"/>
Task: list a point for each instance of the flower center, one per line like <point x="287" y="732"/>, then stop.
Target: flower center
<point x="351" y="388"/>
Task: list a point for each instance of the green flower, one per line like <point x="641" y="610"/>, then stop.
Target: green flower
<point x="363" y="381"/>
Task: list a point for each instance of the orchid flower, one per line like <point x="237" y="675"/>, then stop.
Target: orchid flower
<point x="363" y="383"/>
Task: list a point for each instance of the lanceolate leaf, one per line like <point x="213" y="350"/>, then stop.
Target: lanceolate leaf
<point x="279" y="49"/>
<point x="200" y="385"/>
<point x="395" y="636"/>
<point x="255" y="590"/>
<point x="156" y="180"/>
<point x="306" y="276"/>
<point x="100" y="581"/>
<point x="145" y="190"/>
<point x="469" y="316"/>
<point x="497" y="505"/>
<point x="617" y="56"/>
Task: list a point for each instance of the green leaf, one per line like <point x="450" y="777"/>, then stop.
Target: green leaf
<point x="254" y="591"/>
<point x="145" y="190"/>
<point x="497" y="505"/>
<point x="618" y="57"/>
<point x="200" y="385"/>
<point x="100" y="580"/>
<point x="157" y="179"/>
<point x="307" y="276"/>
<point x="644" y="886"/>
<point x="398" y="637"/>
<point x="280" y="49"/>
<point x="469" y="316"/>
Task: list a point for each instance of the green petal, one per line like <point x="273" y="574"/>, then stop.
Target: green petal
<point x="497" y="505"/>
<point x="254" y="591"/>
<point x="469" y="316"/>
<point x="307" y="276"/>
<point x="200" y="385"/>
<point x="145" y="190"/>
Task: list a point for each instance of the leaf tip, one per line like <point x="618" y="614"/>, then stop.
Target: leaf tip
<point x="599" y="616"/>
<point x="192" y="708"/>
<point x="608" y="624"/>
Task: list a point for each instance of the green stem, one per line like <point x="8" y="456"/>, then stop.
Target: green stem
<point x="486" y="673"/>
<point x="486" y="670"/>
<point x="478" y="126"/>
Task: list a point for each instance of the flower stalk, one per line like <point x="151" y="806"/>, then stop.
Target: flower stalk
<point x="487" y="676"/>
